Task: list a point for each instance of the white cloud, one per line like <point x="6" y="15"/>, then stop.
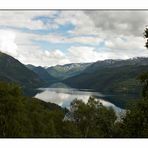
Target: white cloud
<point x="119" y="22"/>
<point x="126" y="47"/>
<point x="84" y="54"/>
<point x="85" y="40"/>
<point x="7" y="42"/>
<point x="120" y="31"/>
<point x="125" y="43"/>
<point x="83" y="23"/>
<point x="25" y="19"/>
<point x="26" y="38"/>
<point x="39" y="57"/>
<point x="19" y="45"/>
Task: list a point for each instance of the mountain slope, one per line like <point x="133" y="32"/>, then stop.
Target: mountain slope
<point x="23" y="116"/>
<point x="11" y="70"/>
<point x="111" y="76"/>
<point x="117" y="63"/>
<point x="42" y="73"/>
<point x="65" y="71"/>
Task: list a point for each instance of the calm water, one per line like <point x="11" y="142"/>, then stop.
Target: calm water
<point x="64" y="96"/>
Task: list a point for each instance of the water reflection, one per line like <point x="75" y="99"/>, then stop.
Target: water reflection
<point x="64" y="96"/>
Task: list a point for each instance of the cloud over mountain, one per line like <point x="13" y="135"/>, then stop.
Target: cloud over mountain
<point x="58" y="37"/>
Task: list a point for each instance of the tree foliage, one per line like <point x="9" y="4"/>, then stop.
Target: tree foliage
<point x="22" y="116"/>
<point x="27" y="117"/>
<point x="146" y="36"/>
<point x="135" y="122"/>
<point x="92" y="118"/>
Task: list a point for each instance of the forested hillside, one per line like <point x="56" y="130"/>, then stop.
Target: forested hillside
<point x="118" y="76"/>
<point x="43" y="74"/>
<point x="22" y="116"/>
<point x="11" y="70"/>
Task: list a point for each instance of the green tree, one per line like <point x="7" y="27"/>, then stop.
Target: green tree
<point x="146" y="36"/>
<point x="135" y="123"/>
<point x="70" y="129"/>
<point x="12" y="113"/>
<point x="143" y="78"/>
<point x="27" y="117"/>
<point x="92" y="118"/>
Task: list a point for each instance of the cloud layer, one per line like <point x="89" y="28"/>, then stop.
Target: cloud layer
<point x="49" y="38"/>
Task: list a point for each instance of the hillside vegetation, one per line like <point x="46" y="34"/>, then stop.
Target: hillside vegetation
<point x="43" y="74"/>
<point x="22" y="116"/>
<point x="111" y="76"/>
<point x="11" y="70"/>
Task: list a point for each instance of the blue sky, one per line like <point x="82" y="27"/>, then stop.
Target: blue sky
<point x="49" y="38"/>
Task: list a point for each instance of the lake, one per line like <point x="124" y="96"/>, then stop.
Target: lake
<point x="64" y="96"/>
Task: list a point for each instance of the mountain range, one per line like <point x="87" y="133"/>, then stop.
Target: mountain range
<point x="119" y="76"/>
<point x="116" y="76"/>
<point x="62" y="72"/>
<point x="109" y="76"/>
<point x="42" y="73"/>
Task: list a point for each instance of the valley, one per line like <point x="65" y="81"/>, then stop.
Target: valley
<point x="118" y="78"/>
<point x="73" y="74"/>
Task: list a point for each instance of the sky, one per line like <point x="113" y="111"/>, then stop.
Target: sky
<point x="48" y="38"/>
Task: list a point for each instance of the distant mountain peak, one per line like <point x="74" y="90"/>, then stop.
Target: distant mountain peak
<point x="67" y="70"/>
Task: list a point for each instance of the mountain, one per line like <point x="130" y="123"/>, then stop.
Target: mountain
<point x="65" y="71"/>
<point x="11" y="70"/>
<point x="119" y="76"/>
<point x="118" y="63"/>
<point x="42" y="73"/>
